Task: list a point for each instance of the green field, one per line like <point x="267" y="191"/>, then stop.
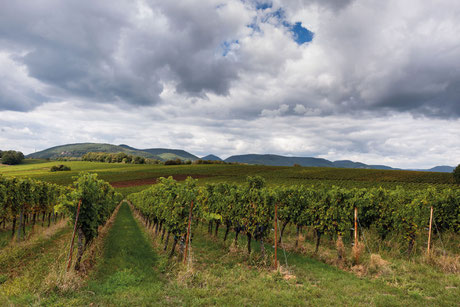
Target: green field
<point x="275" y="175"/>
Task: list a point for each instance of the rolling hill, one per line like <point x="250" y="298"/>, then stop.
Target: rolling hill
<point x="166" y="153"/>
<point x="78" y="150"/>
<point x="170" y="154"/>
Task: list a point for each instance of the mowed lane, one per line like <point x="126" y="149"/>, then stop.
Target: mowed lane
<point x="125" y="275"/>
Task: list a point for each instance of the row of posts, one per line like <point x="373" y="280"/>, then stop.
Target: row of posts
<point x="276" y="233"/>
<point x="355" y="232"/>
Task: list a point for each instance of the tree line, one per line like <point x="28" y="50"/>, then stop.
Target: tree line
<point x="122" y="157"/>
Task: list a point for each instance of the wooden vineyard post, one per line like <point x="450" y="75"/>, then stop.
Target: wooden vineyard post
<point x="356" y="227"/>
<point x="73" y="236"/>
<point x="276" y="235"/>
<point x="188" y="232"/>
<point x="429" y="230"/>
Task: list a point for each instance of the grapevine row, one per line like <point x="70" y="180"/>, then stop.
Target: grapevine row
<point x="249" y="209"/>
<point x="22" y="198"/>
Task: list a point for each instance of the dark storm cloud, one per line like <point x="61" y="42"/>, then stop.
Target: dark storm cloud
<point x="431" y="92"/>
<point x="400" y="56"/>
<point x="396" y="56"/>
<point x="15" y="99"/>
<point x="122" y="52"/>
<point x="69" y="46"/>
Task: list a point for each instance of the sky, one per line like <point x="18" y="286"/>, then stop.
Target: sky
<point x="363" y="80"/>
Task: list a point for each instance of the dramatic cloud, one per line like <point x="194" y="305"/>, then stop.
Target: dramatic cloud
<point x="226" y="68"/>
<point x="123" y="52"/>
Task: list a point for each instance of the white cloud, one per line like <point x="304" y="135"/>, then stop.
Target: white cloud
<point x="278" y="112"/>
<point x="399" y="140"/>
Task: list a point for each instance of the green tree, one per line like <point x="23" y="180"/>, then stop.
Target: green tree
<point x="456" y="174"/>
<point x="12" y="157"/>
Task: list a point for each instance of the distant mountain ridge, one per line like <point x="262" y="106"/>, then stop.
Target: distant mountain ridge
<point x="211" y="158"/>
<point x="163" y="154"/>
<point x="441" y="169"/>
<point x="276" y="160"/>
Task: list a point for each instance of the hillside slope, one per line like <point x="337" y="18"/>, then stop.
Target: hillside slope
<point x="79" y="149"/>
<point x="169" y="154"/>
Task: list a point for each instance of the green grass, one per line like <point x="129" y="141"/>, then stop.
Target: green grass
<point x="5" y="234"/>
<point x="24" y="268"/>
<point x="125" y="275"/>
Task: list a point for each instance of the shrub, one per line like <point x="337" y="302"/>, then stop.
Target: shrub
<point x="174" y="162"/>
<point x="59" y="168"/>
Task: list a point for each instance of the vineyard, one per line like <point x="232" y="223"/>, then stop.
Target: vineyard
<point x="26" y="199"/>
<point x="185" y="237"/>
<point x="250" y="210"/>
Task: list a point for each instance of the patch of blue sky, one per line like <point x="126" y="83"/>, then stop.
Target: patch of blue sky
<point x="254" y="25"/>
<point x="279" y="14"/>
<point x="263" y="5"/>
<point x="228" y="46"/>
<point x="301" y="35"/>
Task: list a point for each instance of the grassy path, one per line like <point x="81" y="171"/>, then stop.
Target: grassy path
<point x="221" y="278"/>
<point x="125" y="275"/>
